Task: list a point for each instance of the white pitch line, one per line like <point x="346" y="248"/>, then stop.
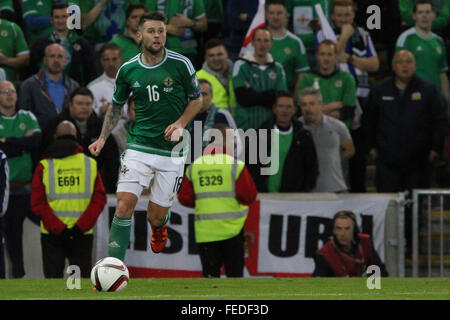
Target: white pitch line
<point x="160" y="296"/>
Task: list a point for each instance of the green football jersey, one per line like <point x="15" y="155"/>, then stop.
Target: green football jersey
<point x="430" y="54"/>
<point x="6" y="5"/>
<point x="291" y="53"/>
<point x="270" y="76"/>
<point x="301" y="12"/>
<point x="12" y="44"/>
<point x="17" y="126"/>
<point x="284" y="140"/>
<point x="161" y="94"/>
<point x="110" y="22"/>
<point x="340" y="86"/>
<point x="193" y="9"/>
<point x="128" y="46"/>
<point x="39" y="8"/>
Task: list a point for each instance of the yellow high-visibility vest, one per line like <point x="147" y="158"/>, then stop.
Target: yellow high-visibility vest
<point x="218" y="214"/>
<point x="69" y="185"/>
<point x="222" y="98"/>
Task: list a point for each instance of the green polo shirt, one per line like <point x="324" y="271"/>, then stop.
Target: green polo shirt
<point x="339" y="86"/>
<point x="40" y="8"/>
<point x="430" y="54"/>
<point x="193" y="9"/>
<point x="13" y="44"/>
<point x="17" y="126"/>
<point x="128" y="46"/>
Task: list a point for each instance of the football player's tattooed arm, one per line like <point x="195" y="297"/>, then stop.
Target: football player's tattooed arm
<point x="112" y="116"/>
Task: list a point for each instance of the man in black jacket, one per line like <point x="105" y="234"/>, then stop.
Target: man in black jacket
<point x="80" y="112"/>
<point x="297" y="159"/>
<point x="406" y="126"/>
<point x="406" y="122"/>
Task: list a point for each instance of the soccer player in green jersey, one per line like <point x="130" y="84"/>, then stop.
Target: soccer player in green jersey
<point x="427" y="47"/>
<point x="167" y="97"/>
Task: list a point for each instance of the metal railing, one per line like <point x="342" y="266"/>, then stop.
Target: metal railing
<point x="428" y="204"/>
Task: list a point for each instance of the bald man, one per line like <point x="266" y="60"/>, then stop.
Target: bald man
<point x="66" y="226"/>
<point x="406" y="124"/>
<point x="65" y="128"/>
<point x="20" y="137"/>
<point x="48" y="92"/>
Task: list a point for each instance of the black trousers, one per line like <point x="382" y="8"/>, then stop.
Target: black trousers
<point x="2" y="252"/>
<point x="357" y="163"/>
<point x="56" y="249"/>
<point x="18" y="210"/>
<point x="392" y="180"/>
<point x="228" y="253"/>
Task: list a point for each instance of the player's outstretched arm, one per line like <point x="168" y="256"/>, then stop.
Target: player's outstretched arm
<point x="112" y="116"/>
<point x="175" y="131"/>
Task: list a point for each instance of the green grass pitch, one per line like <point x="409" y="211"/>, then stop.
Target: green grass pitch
<point x="234" y="289"/>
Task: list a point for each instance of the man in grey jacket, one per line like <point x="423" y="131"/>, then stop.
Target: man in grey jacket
<point x="47" y="92"/>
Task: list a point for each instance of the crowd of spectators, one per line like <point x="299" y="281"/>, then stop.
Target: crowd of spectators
<point x="334" y="105"/>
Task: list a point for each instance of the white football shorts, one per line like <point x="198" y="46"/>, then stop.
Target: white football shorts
<point x="140" y="170"/>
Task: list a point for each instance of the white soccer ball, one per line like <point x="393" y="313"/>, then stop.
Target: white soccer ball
<point x="110" y="274"/>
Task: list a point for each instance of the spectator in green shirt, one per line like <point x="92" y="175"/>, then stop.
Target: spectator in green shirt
<point x="287" y="48"/>
<point x="184" y="18"/>
<point x="338" y="88"/>
<point x="256" y="80"/>
<point x="127" y="40"/>
<point x="440" y="7"/>
<point x="14" y="53"/>
<point x="427" y="47"/>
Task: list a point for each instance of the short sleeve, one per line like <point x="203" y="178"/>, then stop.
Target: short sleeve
<point x="32" y="122"/>
<point x="343" y="132"/>
<point x="21" y="43"/>
<point x="122" y="89"/>
<point x="191" y="84"/>
<point x="199" y="9"/>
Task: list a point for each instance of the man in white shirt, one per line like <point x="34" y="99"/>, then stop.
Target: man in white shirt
<point x="103" y="86"/>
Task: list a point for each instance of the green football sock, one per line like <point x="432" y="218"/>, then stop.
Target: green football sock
<point x="119" y="237"/>
<point x="166" y="220"/>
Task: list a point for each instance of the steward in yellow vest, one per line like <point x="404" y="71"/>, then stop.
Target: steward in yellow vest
<point x="68" y="195"/>
<point x="217" y="70"/>
<point x="221" y="189"/>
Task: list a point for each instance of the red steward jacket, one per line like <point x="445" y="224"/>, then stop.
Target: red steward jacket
<point x="246" y="191"/>
<point x="40" y="206"/>
<point x="344" y="265"/>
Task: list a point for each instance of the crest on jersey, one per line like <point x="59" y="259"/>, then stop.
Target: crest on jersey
<point x="195" y="81"/>
<point x="168" y="82"/>
<point x="4" y="33"/>
<point x="272" y="75"/>
<point x="288" y="51"/>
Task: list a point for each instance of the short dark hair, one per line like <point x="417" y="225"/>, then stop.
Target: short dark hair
<point x="153" y="15"/>
<point x="212" y="43"/>
<point x="110" y="46"/>
<point x="81" y="91"/>
<point x="134" y="6"/>
<point x="58" y="6"/>
<point x="343" y="3"/>
<point x="419" y="2"/>
<point x="283" y="94"/>
<point x="268" y="3"/>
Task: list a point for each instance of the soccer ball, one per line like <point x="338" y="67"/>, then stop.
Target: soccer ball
<point x="109" y="274"/>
